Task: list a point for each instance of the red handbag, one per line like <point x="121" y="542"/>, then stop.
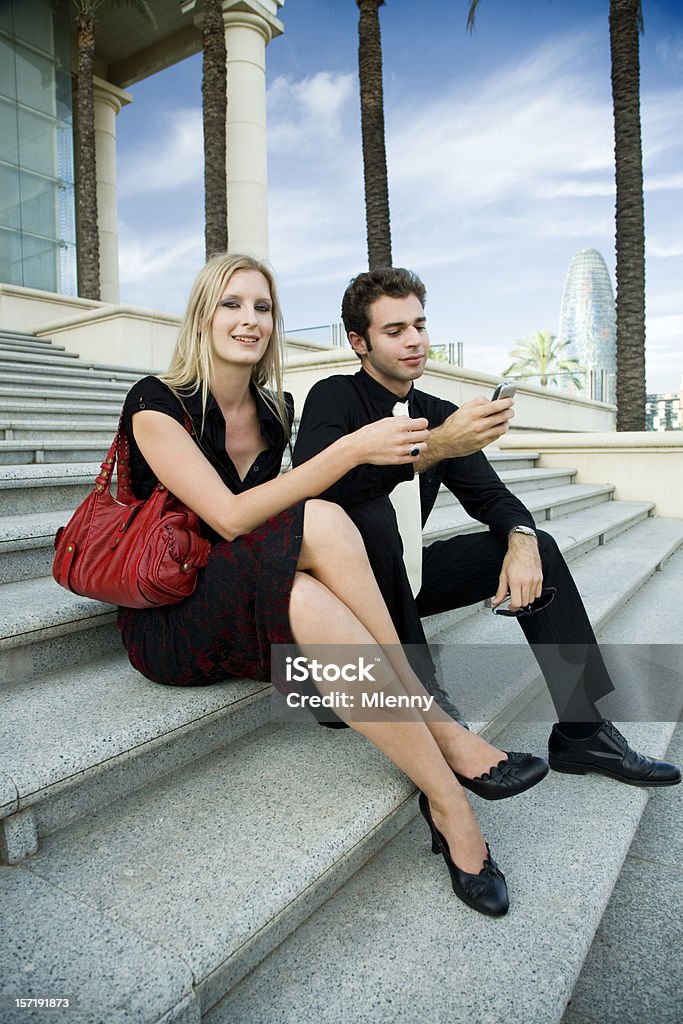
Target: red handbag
<point x="130" y="552"/>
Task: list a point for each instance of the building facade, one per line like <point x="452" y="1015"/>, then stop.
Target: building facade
<point x="663" y="412"/>
<point x="588" y="323"/>
<point x="38" y="76"/>
<point x="37" y="194"/>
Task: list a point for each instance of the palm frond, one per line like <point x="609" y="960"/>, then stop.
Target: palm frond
<point x="471" y="15"/>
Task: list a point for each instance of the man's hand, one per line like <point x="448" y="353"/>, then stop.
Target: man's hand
<point x="390" y="441"/>
<point x="522" y="574"/>
<point x="467" y="430"/>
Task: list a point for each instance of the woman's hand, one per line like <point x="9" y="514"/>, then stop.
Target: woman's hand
<point x="392" y="441"/>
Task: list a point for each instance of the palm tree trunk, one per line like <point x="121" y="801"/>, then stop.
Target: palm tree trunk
<point x="87" y="231"/>
<point x="372" y="126"/>
<point x="214" y="112"/>
<point x="624" y="20"/>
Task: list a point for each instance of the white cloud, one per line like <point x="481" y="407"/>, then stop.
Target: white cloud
<point x="308" y="114"/>
<point x="157" y="268"/>
<point x="664" y="249"/>
<point x="664" y="182"/>
<point x="664" y="358"/>
<point x="670" y="52"/>
<point x="170" y="158"/>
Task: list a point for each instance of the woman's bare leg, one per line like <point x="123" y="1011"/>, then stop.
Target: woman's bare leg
<point x="333" y="553"/>
<point x="317" y="616"/>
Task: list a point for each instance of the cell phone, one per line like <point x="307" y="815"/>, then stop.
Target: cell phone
<point x="505" y="390"/>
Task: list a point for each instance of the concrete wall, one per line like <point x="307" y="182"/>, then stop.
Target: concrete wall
<point x="640" y="464"/>
<point x="26" y="309"/>
<point x="123" y="335"/>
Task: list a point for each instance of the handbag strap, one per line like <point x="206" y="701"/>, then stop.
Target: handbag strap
<point x="120" y="452"/>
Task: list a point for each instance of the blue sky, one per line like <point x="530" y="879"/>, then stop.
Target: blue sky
<point x="500" y="154"/>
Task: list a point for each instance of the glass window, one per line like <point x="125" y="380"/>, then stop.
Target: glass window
<point x="9" y="143"/>
<point x="67" y="269"/>
<point x="65" y="151"/>
<point x="38" y="204"/>
<point x="35" y="80"/>
<point x="33" y="24"/>
<point x="37" y="141"/>
<point x="6" y="17"/>
<point x="40" y="260"/>
<point x="67" y="214"/>
<point x="8" y="84"/>
<point x="63" y="92"/>
<point x="10" y="257"/>
<point x="10" y="210"/>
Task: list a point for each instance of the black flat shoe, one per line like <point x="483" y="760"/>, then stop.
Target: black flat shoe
<point x="608" y="753"/>
<point x="514" y="775"/>
<point x="485" y="891"/>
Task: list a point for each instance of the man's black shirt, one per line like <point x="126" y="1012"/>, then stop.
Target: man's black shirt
<point x="343" y="403"/>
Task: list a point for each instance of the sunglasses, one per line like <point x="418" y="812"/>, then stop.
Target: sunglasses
<point x="546" y="598"/>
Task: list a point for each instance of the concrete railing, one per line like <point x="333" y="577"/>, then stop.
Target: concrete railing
<point x="642" y="465"/>
<point x="536" y="408"/>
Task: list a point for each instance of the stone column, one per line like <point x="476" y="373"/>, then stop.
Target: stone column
<point x="249" y="27"/>
<point x="108" y="102"/>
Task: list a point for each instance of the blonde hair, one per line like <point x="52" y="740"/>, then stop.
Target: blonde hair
<point x="191" y="364"/>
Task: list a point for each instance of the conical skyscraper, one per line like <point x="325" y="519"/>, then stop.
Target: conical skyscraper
<point x="588" y="321"/>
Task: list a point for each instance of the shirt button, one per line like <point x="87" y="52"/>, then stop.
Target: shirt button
<point x="255" y="468"/>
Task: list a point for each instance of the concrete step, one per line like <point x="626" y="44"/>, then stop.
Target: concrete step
<point x="99" y="391"/>
<point x="37" y="346"/>
<point x="395" y="945"/>
<point x="501" y="462"/>
<point x="93" y="431"/>
<point x="644" y="921"/>
<point x="46" y="487"/>
<point x="105" y="732"/>
<point x="22" y="336"/>
<point x="44" y="627"/>
<point x="35" y="410"/>
<point x="262" y="873"/>
<point x="50" y="376"/>
<point x="544" y="503"/>
<point x="52" y="357"/>
<point x="27" y="545"/>
<point x="22" y="354"/>
<point x="521" y="481"/>
<point x="44" y="638"/>
<point x="24" y="453"/>
<point x="561" y="846"/>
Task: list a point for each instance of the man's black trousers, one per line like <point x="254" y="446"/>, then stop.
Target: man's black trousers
<point x="464" y="570"/>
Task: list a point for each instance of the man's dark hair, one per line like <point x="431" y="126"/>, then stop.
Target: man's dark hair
<point x="366" y="288"/>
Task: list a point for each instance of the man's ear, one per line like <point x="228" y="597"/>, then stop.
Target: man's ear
<point x="358" y="343"/>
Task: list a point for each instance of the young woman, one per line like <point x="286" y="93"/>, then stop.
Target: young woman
<point x="284" y="567"/>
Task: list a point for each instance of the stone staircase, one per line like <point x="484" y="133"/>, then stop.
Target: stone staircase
<point x="185" y="855"/>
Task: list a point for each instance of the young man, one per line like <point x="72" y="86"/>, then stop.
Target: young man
<point x="383" y="313"/>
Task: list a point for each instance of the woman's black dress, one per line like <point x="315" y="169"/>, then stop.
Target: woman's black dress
<point x="241" y="604"/>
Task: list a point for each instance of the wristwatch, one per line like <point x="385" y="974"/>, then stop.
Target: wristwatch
<point x="526" y="530"/>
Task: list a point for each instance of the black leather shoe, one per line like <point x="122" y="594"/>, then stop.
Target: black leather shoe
<point x="517" y="773"/>
<point x="444" y="701"/>
<point x="608" y="753"/>
<point x="485" y="891"/>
